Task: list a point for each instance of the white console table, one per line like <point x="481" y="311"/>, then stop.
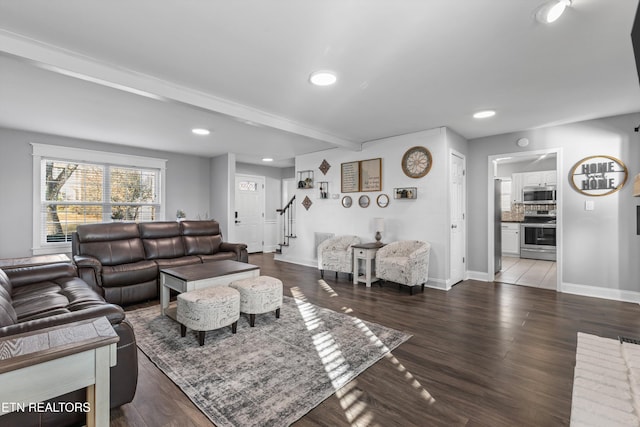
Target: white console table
<point x="39" y="365"/>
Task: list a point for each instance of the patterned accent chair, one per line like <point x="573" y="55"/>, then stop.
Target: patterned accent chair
<point x="336" y="254"/>
<point x="405" y="262"/>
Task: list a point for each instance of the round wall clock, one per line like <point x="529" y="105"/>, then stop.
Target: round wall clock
<point x="416" y="162"/>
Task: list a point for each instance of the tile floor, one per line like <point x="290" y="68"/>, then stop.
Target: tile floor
<point x="527" y="272"/>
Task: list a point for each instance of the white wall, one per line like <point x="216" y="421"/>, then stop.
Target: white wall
<point x="425" y="218"/>
<point x="187" y="184"/>
<point x="601" y="247"/>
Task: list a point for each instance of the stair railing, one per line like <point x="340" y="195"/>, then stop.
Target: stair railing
<point x="288" y="223"/>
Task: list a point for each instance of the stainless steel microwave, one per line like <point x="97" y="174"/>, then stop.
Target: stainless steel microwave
<point x="539" y="195"/>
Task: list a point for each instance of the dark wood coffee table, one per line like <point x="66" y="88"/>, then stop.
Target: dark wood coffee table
<point x="199" y="276"/>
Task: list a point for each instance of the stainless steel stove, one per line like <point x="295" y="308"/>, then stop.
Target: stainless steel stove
<point x="538" y="234"/>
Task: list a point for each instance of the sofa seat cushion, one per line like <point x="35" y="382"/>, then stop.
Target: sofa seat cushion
<point x="128" y="274"/>
<point x="177" y="262"/>
<point x="218" y="256"/>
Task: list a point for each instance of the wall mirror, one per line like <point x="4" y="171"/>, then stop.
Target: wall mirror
<point x="383" y="200"/>
<point x="363" y="201"/>
<point x="346" y="201"/>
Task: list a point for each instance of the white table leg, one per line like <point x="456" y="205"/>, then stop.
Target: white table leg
<point x="355" y="268"/>
<point x="164" y="295"/>
<point x="368" y="271"/>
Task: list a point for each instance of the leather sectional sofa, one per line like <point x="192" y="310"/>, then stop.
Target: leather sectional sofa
<point x="41" y="296"/>
<point x="124" y="260"/>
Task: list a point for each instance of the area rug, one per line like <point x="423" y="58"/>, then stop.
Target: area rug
<point x="606" y="384"/>
<point x="269" y="375"/>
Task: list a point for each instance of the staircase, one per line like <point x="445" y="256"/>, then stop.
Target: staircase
<point x="288" y="224"/>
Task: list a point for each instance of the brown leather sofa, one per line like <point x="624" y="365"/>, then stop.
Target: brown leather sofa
<point x="42" y="296"/>
<point x="124" y="259"/>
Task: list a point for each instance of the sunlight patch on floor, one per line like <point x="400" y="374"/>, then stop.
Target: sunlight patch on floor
<point x="337" y="368"/>
<point x="324" y="285"/>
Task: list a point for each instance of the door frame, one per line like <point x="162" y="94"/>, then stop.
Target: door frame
<point x="491" y="174"/>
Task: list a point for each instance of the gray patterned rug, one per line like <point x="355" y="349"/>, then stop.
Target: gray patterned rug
<point x="270" y="375"/>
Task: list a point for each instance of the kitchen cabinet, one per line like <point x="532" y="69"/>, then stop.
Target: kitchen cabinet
<point x="516" y="187"/>
<point x="530" y="179"/>
<point x="511" y="238"/>
<point x="539" y="178"/>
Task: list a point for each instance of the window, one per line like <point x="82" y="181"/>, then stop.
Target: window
<point x="80" y="186"/>
<point x="248" y="186"/>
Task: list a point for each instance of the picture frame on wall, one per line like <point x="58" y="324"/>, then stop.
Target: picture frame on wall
<point x="371" y="175"/>
<point x="350" y="177"/>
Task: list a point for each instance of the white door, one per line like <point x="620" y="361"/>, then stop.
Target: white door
<point x="249" y="214"/>
<point x="457" y="187"/>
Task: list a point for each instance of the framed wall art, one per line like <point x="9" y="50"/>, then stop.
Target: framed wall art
<point x="350" y="177"/>
<point x="371" y="175"/>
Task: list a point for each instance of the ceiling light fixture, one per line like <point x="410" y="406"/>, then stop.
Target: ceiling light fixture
<point x="267" y="159"/>
<point x="551" y="11"/>
<point x="323" y="78"/>
<point x="484" y="114"/>
<point x="201" y="131"/>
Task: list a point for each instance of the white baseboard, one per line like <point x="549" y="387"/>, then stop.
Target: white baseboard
<point x="306" y="263"/>
<point x="597" y="292"/>
<point x="478" y="275"/>
<point x="437" y="284"/>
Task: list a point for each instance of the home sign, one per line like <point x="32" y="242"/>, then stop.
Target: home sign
<point x="598" y="175"/>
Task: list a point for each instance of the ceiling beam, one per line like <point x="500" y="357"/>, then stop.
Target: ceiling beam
<point x="82" y="67"/>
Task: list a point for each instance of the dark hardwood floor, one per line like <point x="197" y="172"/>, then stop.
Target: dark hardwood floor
<point x="482" y="354"/>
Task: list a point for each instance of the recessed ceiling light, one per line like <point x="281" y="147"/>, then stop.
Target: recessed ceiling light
<point x="200" y="131"/>
<point x="267" y="159"/>
<point x="323" y="78"/>
<point x="484" y="114"/>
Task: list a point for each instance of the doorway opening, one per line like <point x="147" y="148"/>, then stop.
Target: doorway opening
<point x="524" y="218"/>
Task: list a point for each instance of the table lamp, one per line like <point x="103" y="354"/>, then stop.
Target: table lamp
<point x="379" y="226"/>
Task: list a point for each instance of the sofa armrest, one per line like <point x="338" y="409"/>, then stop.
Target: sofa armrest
<point x="112" y="312"/>
<point x="239" y="248"/>
<point x="89" y="270"/>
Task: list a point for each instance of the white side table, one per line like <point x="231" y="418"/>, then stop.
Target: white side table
<point x="36" y="366"/>
<point x="365" y="252"/>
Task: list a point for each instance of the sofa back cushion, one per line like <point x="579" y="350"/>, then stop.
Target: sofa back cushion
<point x="111" y="243"/>
<point x="201" y="237"/>
<point x="7" y="313"/>
<point x="161" y="239"/>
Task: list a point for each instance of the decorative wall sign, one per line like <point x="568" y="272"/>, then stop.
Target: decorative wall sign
<point x="324" y="167"/>
<point x="371" y="175"/>
<point x="598" y="175"/>
<point x="350" y="177"/>
<point x="307" y="202"/>
<point x="416" y="162"/>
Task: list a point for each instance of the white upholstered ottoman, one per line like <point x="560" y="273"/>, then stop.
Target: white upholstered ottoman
<point x="207" y="309"/>
<point x="259" y="295"/>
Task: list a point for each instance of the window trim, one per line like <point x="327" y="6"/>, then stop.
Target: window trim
<point x="58" y="152"/>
